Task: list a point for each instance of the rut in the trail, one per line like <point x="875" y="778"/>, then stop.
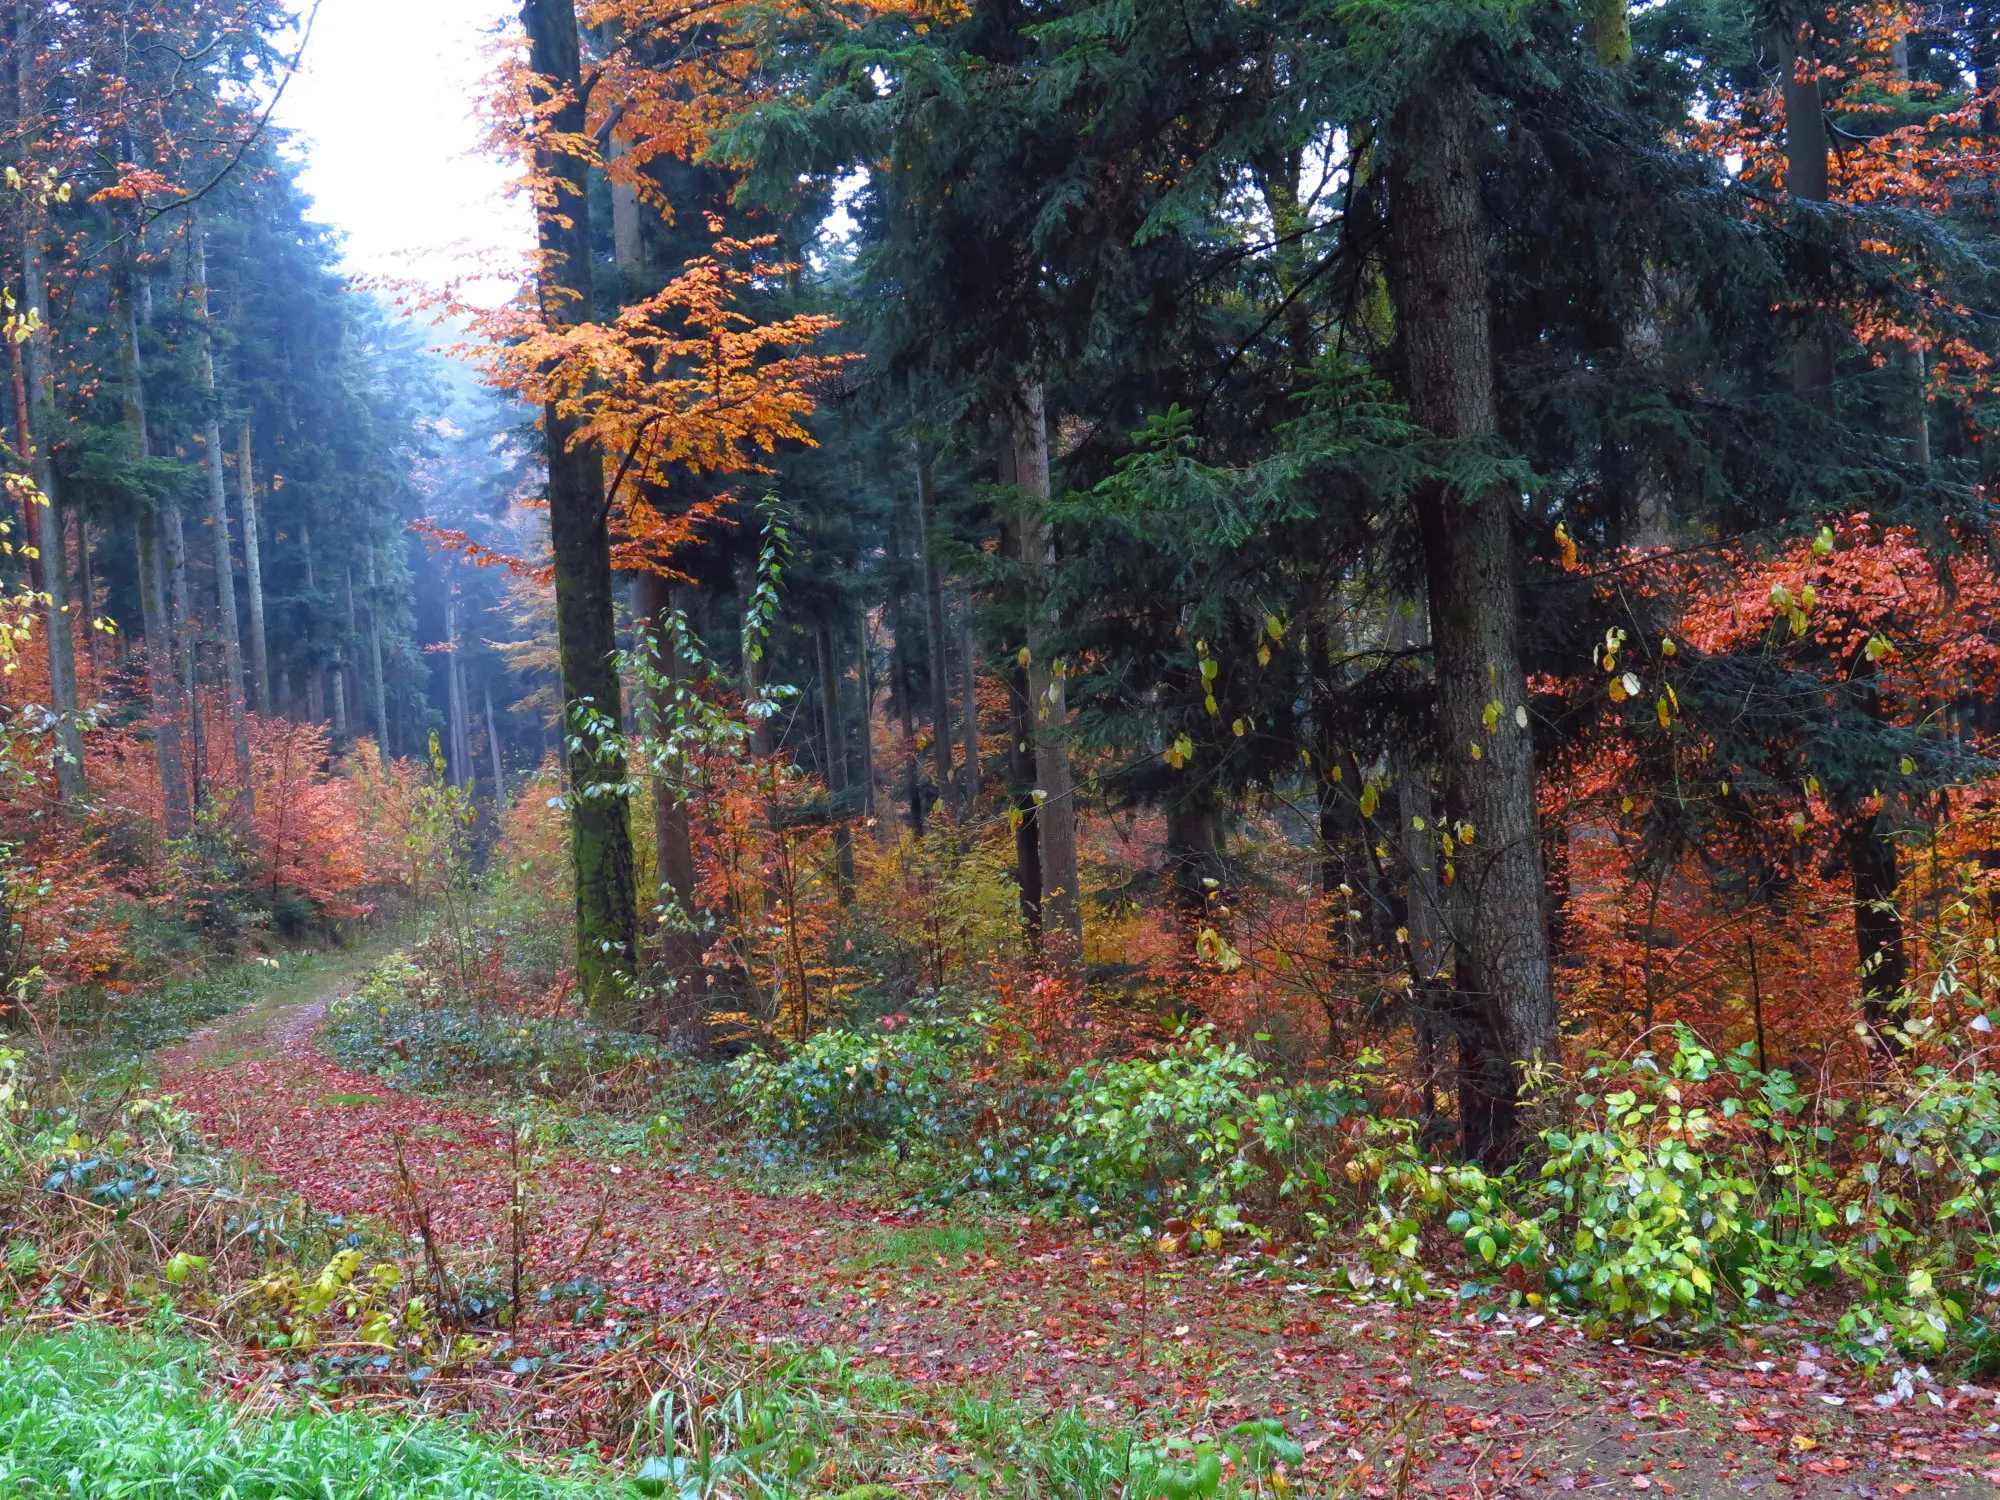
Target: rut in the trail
<point x="1075" y="1319"/>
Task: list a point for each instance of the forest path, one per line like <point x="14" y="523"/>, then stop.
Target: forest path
<point x="1523" y="1407"/>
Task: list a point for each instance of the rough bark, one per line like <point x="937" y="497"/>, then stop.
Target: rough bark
<point x="1438" y="281"/>
<point x="253" y="571"/>
<point x="969" y="718"/>
<point x="1062" y="898"/>
<point x="381" y="701"/>
<point x="833" y="743"/>
<point x="679" y="944"/>
<point x="864" y="656"/>
<point x="245" y="806"/>
<point x="499" y="766"/>
<point x="934" y="627"/>
<point x="600" y="831"/>
<point x="35" y="401"/>
<point x="162" y="684"/>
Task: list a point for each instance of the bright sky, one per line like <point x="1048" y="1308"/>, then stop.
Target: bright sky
<point x="384" y="108"/>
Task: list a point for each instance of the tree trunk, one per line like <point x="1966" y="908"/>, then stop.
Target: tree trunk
<point x="1062" y="897"/>
<point x="253" y="572"/>
<point x="245" y="807"/>
<point x="375" y="660"/>
<point x="461" y="720"/>
<point x="934" y="622"/>
<point x="834" y="740"/>
<point x="1026" y="819"/>
<point x="1438" y="280"/>
<point x="969" y="721"/>
<point x="37" y="395"/>
<point x="1193" y="856"/>
<point x="673" y="842"/>
<point x="173" y="550"/>
<point x="586" y="634"/>
<point x="499" y="766"/>
<point x="316" y="669"/>
<point x="864" y="658"/>
<point x="162" y="683"/>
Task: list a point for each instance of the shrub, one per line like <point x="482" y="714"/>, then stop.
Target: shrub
<point x="1194" y="1133"/>
<point x="848" y="1088"/>
<point x="400" y="1025"/>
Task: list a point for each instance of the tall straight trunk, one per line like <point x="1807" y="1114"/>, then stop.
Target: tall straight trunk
<point x="679" y="943"/>
<point x="162" y="683"/>
<point x="934" y="627"/>
<point x="1055" y="794"/>
<point x="461" y="727"/>
<point x="499" y="766"/>
<point x="316" y="671"/>
<point x="14" y="121"/>
<point x="376" y="678"/>
<point x="969" y="703"/>
<point x="253" y="571"/>
<point x="600" y="833"/>
<point x="1438" y="281"/>
<point x="1427" y="946"/>
<point x="173" y="557"/>
<point x="344" y="653"/>
<point x="1025" y="815"/>
<point x="865" y="660"/>
<point x="245" y="806"/>
<point x="36" y="396"/>
<point x="86" y="591"/>
<point x="1805" y="174"/>
<point x="833" y="738"/>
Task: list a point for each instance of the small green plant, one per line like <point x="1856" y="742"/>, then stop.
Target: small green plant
<point x="848" y="1088"/>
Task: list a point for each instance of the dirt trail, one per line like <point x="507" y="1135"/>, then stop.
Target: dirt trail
<point x="1523" y="1407"/>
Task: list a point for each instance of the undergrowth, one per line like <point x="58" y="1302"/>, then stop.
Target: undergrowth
<point x="94" y="1412"/>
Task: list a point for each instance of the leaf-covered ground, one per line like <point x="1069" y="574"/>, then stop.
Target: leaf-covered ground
<point x="1444" y="1400"/>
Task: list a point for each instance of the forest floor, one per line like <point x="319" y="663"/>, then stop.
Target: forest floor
<point x="1491" y="1403"/>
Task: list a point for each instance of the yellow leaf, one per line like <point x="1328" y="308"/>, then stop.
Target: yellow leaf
<point x="1664" y="714"/>
<point x="1823" y="543"/>
<point x="1490" y="715"/>
<point x="1236" y="727"/>
<point x="1667" y="647"/>
<point x="1618" y="693"/>
<point x="1907" y="766"/>
<point x="1370" y="799"/>
<point x="1474" y="751"/>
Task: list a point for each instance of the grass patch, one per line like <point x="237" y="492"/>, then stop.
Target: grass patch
<point x="90" y="1412"/>
<point x="348" y="1101"/>
<point x="926" y="1244"/>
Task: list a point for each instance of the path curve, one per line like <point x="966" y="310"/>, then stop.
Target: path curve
<point x="1513" y="1409"/>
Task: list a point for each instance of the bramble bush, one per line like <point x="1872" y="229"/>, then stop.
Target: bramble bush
<point x="404" y="1023"/>
<point x="849" y="1088"/>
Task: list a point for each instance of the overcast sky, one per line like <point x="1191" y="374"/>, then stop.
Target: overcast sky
<point x="384" y="107"/>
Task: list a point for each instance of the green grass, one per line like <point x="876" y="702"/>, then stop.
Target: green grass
<point x="110" y="1415"/>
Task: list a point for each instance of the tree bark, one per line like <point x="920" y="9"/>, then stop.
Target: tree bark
<point x="1438" y="281"/>
<point x="834" y="741"/>
<point x="461" y="721"/>
<point x="499" y="766"/>
<point x="865" y="660"/>
<point x="600" y="831"/>
<point x="375" y="659"/>
<point x="162" y="682"/>
<point x="969" y="721"/>
<point x="39" y="396"/>
<point x="1062" y="897"/>
<point x="253" y="572"/>
<point x="934" y="628"/>
<point x="679" y="953"/>
<point x="245" y="806"/>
